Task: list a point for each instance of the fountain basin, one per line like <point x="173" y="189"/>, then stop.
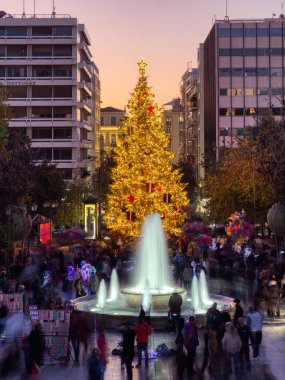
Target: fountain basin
<point x="159" y="299"/>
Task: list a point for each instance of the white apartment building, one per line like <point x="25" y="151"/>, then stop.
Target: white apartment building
<point x="241" y="77"/>
<point x="53" y="84"/>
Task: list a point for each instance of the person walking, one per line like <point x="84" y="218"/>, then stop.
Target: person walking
<point x="102" y="349"/>
<point x="191" y="342"/>
<point x="232" y="345"/>
<point x="128" y="333"/>
<point x="238" y="311"/>
<point x="94" y="366"/>
<point x="244" y="333"/>
<point x="142" y="331"/>
<point x="255" y="324"/>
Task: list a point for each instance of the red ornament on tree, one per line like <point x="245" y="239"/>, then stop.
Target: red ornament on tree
<point x="159" y="189"/>
<point x="150" y="109"/>
<point x="131" y="198"/>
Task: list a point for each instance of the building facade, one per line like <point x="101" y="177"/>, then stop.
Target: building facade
<point x="111" y="122"/>
<point x="189" y="98"/>
<point x="241" y="74"/>
<point x="173" y="123"/>
<point x="53" y="86"/>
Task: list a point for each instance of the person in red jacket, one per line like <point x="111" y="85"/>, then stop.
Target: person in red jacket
<point x="142" y="331"/>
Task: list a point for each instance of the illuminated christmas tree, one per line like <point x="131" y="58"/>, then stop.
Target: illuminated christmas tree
<point x="144" y="181"/>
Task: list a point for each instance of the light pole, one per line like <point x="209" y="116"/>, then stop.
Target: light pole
<point x="50" y="205"/>
<point x="31" y="209"/>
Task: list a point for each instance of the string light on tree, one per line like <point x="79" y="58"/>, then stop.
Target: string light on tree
<point x="143" y="180"/>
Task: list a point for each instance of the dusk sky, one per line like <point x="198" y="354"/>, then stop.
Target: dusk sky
<point x="166" y="33"/>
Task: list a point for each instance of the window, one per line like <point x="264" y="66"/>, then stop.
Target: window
<point x="250" y="91"/>
<point x="261" y="52"/>
<point x="224" y="52"/>
<point x="113" y="140"/>
<point x="276" y="111"/>
<point x="42" y="92"/>
<point x="17" y="91"/>
<point x="168" y="120"/>
<point x="62" y="112"/>
<point x="276" y="51"/>
<point x="2" y="71"/>
<point x="43" y="153"/>
<point x="277" y="91"/>
<point x="113" y="120"/>
<point x="42" y="112"/>
<point x="41" y="133"/>
<point x="225" y="72"/>
<point x="224" y="132"/>
<point x="276" y="71"/>
<point x="250" y="72"/>
<point x="102" y="120"/>
<point x="66" y="173"/>
<point x="16" y="51"/>
<point x="263" y="91"/>
<point x="16" y="31"/>
<point x="263" y="71"/>
<point x="62" y="50"/>
<point x="62" y="91"/>
<point x="62" y="31"/>
<point x="237" y="32"/>
<point x="42" y="71"/>
<point x="42" y="50"/>
<point x="237" y="52"/>
<point x="276" y="32"/>
<point x="250" y="111"/>
<point x="224" y="32"/>
<point x="224" y="112"/>
<point x="263" y="111"/>
<point x="62" y="133"/>
<point x="238" y="112"/>
<point x="237" y="72"/>
<point x="2" y="51"/>
<point x="249" y="32"/>
<point x="16" y="71"/>
<point x="41" y="31"/>
<point x="62" y="154"/>
<point x="2" y="31"/>
<point x="250" y="52"/>
<point x="262" y="32"/>
<point x="62" y="71"/>
<point x="19" y="112"/>
<point x="239" y="131"/>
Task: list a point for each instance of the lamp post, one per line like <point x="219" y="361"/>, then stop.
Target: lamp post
<point x="31" y="209"/>
<point x="50" y="205"/>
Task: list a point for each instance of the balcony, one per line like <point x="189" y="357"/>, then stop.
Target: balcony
<point x="84" y="66"/>
<point x="86" y="87"/>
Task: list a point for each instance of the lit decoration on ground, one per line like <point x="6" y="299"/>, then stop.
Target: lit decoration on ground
<point x="238" y="226"/>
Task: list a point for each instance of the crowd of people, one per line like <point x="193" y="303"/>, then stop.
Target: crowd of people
<point x="259" y="283"/>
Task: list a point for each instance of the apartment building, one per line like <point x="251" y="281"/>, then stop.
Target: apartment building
<point x="48" y="70"/>
<point x="173" y="124"/>
<point x="111" y="122"/>
<point x="241" y="77"/>
<point x="189" y="95"/>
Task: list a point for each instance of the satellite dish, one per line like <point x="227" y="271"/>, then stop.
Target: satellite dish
<point x="2" y="14"/>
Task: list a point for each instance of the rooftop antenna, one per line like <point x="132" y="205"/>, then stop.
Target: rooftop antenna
<point x="34" y="8"/>
<point x="226" y="16"/>
<point x="24" y="10"/>
<point x="53" y="9"/>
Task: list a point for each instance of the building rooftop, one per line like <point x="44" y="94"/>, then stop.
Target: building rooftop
<point x="111" y="109"/>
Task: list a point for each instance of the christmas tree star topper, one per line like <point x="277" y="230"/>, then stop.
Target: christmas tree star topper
<point x="142" y="64"/>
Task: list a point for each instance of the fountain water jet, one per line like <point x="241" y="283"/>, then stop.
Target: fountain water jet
<point x="114" y="290"/>
<point x="195" y="294"/>
<point x="102" y="295"/>
<point x="203" y="289"/>
<point x="146" y="298"/>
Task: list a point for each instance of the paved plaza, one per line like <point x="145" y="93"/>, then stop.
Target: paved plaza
<point x="272" y="359"/>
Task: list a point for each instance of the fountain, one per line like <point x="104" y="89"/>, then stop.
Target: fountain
<point x="151" y="286"/>
<point x="152" y="266"/>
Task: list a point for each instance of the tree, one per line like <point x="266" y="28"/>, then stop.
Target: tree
<point x="237" y="184"/>
<point x="143" y="180"/>
<point x="188" y="178"/>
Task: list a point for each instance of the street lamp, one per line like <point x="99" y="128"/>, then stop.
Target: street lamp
<point x="31" y="209"/>
<point x="50" y="205"/>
